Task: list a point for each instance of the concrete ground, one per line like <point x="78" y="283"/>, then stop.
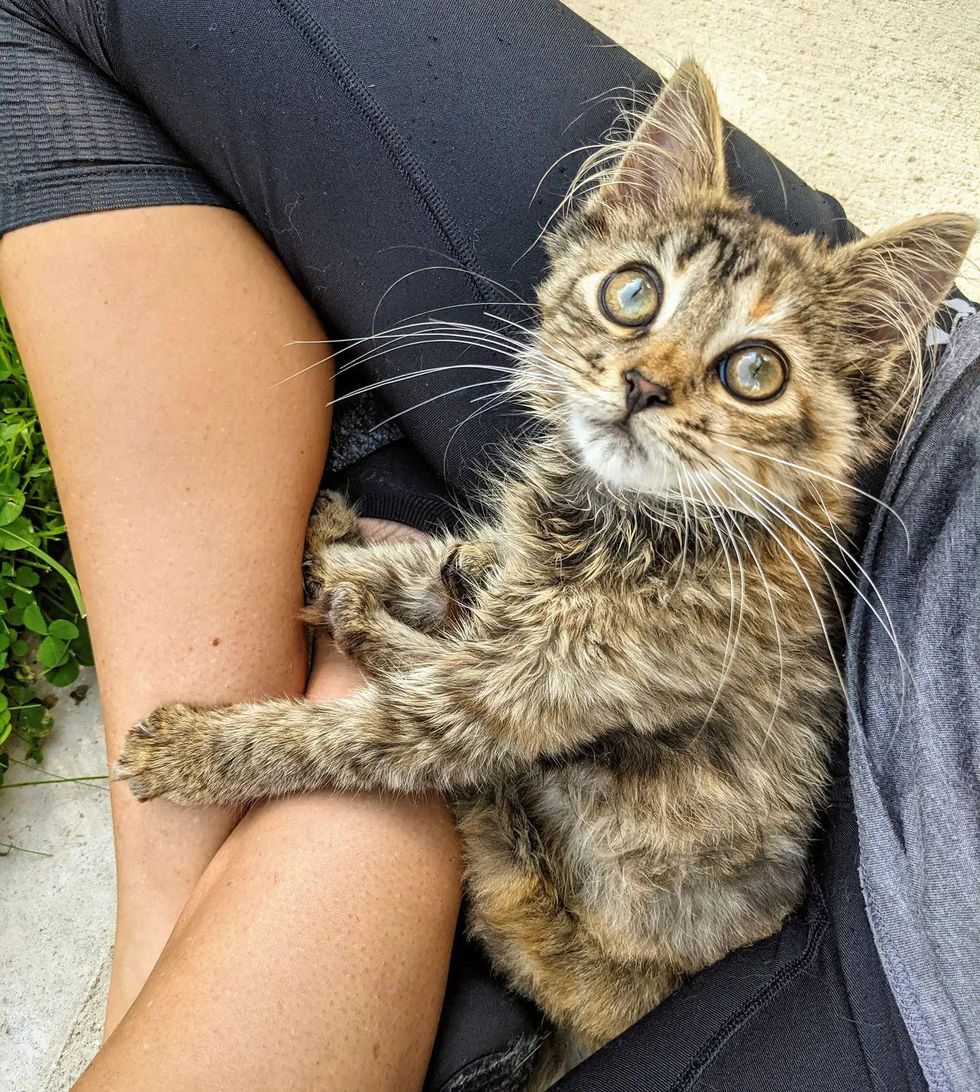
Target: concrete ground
<point x="874" y="102"/>
<point x="57" y="901"/>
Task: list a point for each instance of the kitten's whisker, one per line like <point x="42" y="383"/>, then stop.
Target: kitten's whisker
<point x="821" y="557"/>
<point x="731" y="643"/>
<point x="595" y="163"/>
<point x="520" y="348"/>
<point x="683" y="552"/>
<point x="404" y="378"/>
<point x="479" y="277"/>
<point x="501" y="398"/>
<point x="434" y="326"/>
<point x="302" y="371"/>
<point x="453" y="335"/>
<point x="537" y="336"/>
<point x="886" y="622"/>
<point x="610" y="95"/>
<point x="835" y="531"/>
<point x="820" y="474"/>
<point x="777" y="630"/>
<point x="780" y="545"/>
<point x="562" y="158"/>
<point x="418" y="341"/>
<point x="392" y="334"/>
<point x="890" y="627"/>
<point x="471" y="303"/>
<point x="434" y="398"/>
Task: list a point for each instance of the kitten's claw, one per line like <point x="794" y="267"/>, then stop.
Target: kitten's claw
<point x="157" y="757"/>
<point x="464" y="573"/>
<point x="459" y="575"/>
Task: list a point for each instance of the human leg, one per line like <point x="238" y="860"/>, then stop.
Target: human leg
<point x="156" y="341"/>
<point x="312" y="954"/>
<point x="153" y="339"/>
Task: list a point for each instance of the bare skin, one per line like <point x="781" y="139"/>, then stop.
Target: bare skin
<point x="307" y="957"/>
<point x="154" y="341"/>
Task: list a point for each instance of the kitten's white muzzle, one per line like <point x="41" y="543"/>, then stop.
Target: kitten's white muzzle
<point x="627" y="457"/>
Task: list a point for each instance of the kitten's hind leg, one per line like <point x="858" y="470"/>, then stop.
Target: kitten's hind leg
<point x="591" y="984"/>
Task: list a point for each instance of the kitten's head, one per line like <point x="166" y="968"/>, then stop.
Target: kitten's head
<point x="688" y="347"/>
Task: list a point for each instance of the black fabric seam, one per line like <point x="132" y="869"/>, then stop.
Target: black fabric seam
<point x="387" y="133"/>
<point x="709" y="1052"/>
<point x="897" y="963"/>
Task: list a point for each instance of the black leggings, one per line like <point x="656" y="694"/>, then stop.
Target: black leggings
<point x="368" y="141"/>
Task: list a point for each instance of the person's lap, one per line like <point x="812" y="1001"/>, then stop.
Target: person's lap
<point x="365" y="142"/>
<point x="187" y="484"/>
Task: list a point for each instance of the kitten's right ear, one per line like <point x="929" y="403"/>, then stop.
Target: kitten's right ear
<point x="677" y="149"/>
<point x="893" y="282"/>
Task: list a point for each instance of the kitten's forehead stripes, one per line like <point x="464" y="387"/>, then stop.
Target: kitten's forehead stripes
<point x="735" y="251"/>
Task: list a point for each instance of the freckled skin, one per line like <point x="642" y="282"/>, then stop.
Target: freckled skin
<point x="624" y="681"/>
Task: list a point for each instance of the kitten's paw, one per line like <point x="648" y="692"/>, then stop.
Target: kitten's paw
<point x="332" y="521"/>
<point x="464" y="573"/>
<point x="158" y="757"/>
<point x="347" y="607"/>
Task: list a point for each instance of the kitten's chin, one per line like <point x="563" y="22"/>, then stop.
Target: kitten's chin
<point x="614" y="455"/>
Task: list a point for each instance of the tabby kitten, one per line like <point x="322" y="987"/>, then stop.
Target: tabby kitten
<point x="623" y="681"/>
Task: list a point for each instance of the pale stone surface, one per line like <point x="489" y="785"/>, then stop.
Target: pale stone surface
<point x="57" y="900"/>
<point x="875" y="103"/>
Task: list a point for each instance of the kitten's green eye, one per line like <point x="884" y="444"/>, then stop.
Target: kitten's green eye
<point x="630" y="296"/>
<point x="755" y="373"/>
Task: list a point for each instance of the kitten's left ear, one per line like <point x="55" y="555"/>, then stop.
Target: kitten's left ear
<point x="893" y="282"/>
<point x="677" y="149"/>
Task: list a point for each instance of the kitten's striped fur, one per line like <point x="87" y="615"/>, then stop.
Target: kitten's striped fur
<point x="623" y="681"/>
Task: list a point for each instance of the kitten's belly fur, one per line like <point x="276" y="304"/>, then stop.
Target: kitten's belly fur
<point x="599" y="909"/>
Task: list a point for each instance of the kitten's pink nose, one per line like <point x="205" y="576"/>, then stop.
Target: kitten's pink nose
<point x="642" y="392"/>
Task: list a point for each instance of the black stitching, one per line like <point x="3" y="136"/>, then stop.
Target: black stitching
<point x="710" y="1051"/>
<point x="406" y="163"/>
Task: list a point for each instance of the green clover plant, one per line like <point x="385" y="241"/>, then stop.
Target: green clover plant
<point x="42" y="617"/>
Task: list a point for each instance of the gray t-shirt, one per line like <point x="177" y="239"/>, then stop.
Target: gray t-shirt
<point x="915" y="728"/>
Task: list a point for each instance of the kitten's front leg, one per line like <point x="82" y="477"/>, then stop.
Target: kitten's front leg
<point x="402" y="571"/>
<point x="364" y="629"/>
<point x="479" y="709"/>
<point x="402" y="739"/>
<point x="424" y="582"/>
<point x="373" y="630"/>
<point x="238" y="754"/>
